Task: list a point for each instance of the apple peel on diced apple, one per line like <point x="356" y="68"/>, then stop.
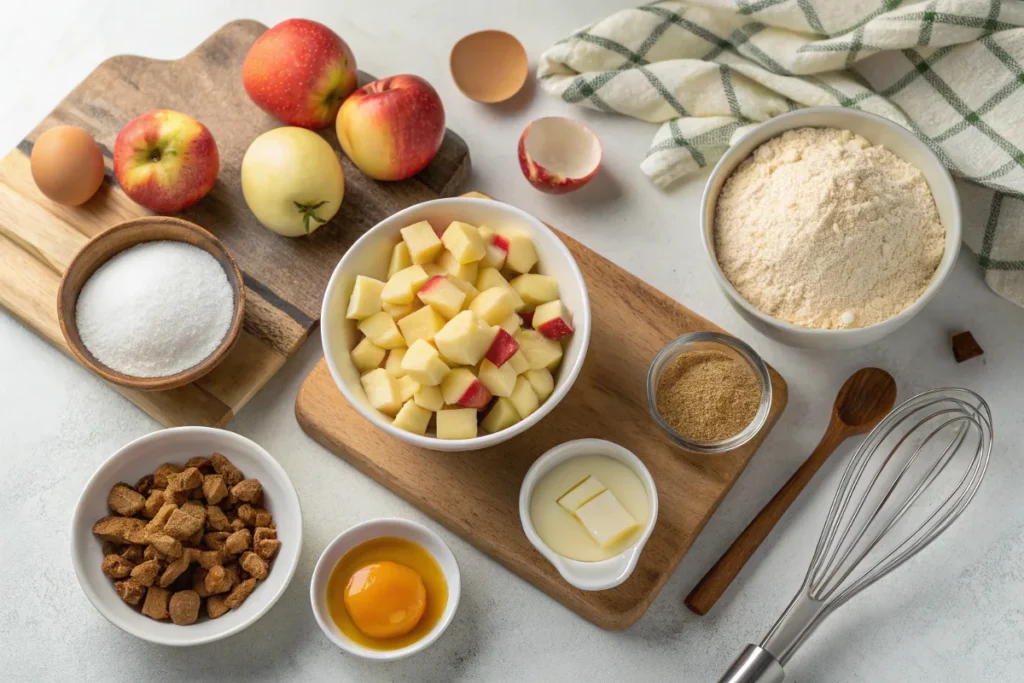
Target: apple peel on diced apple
<point x="443" y="296"/>
<point x="520" y="255"/>
<point x="462" y="388"/>
<point x="502" y="348"/>
<point x="553" y="320"/>
<point x="464" y="339"/>
<point x="558" y="155"/>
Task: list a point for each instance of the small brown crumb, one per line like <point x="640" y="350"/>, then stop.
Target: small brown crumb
<point x="175" y="569"/>
<point x="184" y="607"/>
<point x="254" y="565"/>
<point x="247" y="490"/>
<point x="134" y="553"/>
<point x="169" y="547"/>
<point x="218" y="580"/>
<point x="121" y="530"/>
<point x="215" y="539"/>
<point x="144" y="485"/>
<point x="214" y="488"/>
<point x="130" y="590"/>
<point x="965" y="347"/>
<point x="146" y="572"/>
<point x="209" y="558"/>
<point x="216" y="606"/>
<point x="239" y="593"/>
<point x="201" y="463"/>
<point x="247" y="513"/>
<point x="262" y="518"/>
<point x="162" y="472"/>
<point x="232" y="475"/>
<point x="238" y="542"/>
<point x="267" y="547"/>
<point x="155" y="606"/>
<point x="216" y="519"/>
<point x="116" y="567"/>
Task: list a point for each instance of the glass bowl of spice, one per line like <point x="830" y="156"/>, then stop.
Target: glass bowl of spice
<point x="709" y="392"/>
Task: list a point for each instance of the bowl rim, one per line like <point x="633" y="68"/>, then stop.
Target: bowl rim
<point x="318" y="601"/>
<point x="582" y="320"/>
<point x="167" y="381"/>
<point x="111" y="463"/>
<point x="955" y="229"/>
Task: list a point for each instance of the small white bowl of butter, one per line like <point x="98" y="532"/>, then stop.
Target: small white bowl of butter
<point x="589" y="506"/>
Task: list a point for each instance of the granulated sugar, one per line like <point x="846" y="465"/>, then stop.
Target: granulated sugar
<point x="155" y="309"/>
<point x="821" y="229"/>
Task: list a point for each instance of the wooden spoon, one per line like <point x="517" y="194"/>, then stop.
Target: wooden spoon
<point x="865" y="398"/>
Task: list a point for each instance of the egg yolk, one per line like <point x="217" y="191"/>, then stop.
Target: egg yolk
<point x="386" y="599"/>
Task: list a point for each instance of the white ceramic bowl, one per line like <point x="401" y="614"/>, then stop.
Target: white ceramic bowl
<point x="369" y="256"/>
<point x="878" y="131"/>
<point x="141" y="457"/>
<point x="378" y="528"/>
<point x="588" y="576"/>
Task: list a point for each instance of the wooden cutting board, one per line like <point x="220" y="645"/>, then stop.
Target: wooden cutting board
<point x="284" y="278"/>
<point x="476" y="494"/>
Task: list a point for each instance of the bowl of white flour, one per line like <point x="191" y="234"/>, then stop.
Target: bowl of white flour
<point x="829" y="228"/>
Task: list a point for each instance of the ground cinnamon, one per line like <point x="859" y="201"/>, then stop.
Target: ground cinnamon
<point x="708" y="395"/>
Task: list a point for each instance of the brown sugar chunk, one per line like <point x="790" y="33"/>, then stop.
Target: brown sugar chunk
<point x="186" y="521"/>
<point x="239" y="593"/>
<point x="209" y="558"/>
<point x="214" y="488"/>
<point x="175" y="569"/>
<point x="262" y="533"/>
<point x="254" y="565"/>
<point x="188" y="479"/>
<point x="247" y="490"/>
<point x="156" y="525"/>
<point x="216" y="519"/>
<point x="218" y="580"/>
<point x="116" y="567"/>
<point x="214" y="540"/>
<point x="262" y="517"/>
<point x="155" y="606"/>
<point x="130" y="590"/>
<point x="110" y="548"/>
<point x="216" y="606"/>
<point x="184" y="607"/>
<point x="144" y="485"/>
<point x="134" y="553"/>
<point x="201" y="463"/>
<point x="965" y="347"/>
<point x="247" y="513"/>
<point x="197" y="538"/>
<point x="199" y="582"/>
<point x="235" y="572"/>
<point x="236" y="524"/>
<point x="121" y="530"/>
<point x="168" y="546"/>
<point x="146" y="572"/>
<point x="266" y="548"/>
<point x="175" y="497"/>
<point x="238" y="542"/>
<point x="222" y="466"/>
<point x="125" y="501"/>
<point x="163" y="472"/>
<point x="154" y="502"/>
<point x="152" y="553"/>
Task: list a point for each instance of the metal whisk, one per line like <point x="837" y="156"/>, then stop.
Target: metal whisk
<point x="911" y="477"/>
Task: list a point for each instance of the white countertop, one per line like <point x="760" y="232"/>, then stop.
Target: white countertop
<point x="955" y="613"/>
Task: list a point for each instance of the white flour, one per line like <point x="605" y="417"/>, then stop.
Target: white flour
<point x="821" y="229"/>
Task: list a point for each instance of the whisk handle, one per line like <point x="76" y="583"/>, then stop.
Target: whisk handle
<point x="754" y="665"/>
<point x="710" y="588"/>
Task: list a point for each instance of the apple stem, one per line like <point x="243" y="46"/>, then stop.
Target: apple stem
<point x="308" y="212"/>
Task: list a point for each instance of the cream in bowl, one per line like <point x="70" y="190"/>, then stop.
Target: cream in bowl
<point x="589" y="507"/>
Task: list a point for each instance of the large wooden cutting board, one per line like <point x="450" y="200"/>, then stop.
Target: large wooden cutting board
<point x="285" y="278"/>
<point x="476" y="494"/>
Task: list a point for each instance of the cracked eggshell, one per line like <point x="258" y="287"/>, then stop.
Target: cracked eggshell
<point x="558" y="155"/>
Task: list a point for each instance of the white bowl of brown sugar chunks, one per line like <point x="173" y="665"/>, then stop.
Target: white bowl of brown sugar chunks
<point x="186" y="535"/>
<point x="829" y="228"/>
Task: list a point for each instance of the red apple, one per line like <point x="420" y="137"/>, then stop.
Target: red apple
<point x="502" y="348"/>
<point x="553" y="320"/>
<point x="558" y="155"/>
<point x="165" y="160"/>
<point x="392" y="128"/>
<point x="300" y="71"/>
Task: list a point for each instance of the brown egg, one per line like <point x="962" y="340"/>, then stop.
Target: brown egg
<point x="67" y="165"/>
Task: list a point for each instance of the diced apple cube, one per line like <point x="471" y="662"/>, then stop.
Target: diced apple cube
<point x="433" y="269"/>
<point x="464" y="339"/>
<point x="412" y="418"/>
<point x="394" y="362"/>
<point x="464" y="242"/>
<point x="421" y="324"/>
<point x="535" y="289"/>
<point x="365" y="299"/>
<point x="520" y="255"/>
<point x="490" y="277"/>
<point x="382" y="331"/>
<point x="518" y="362"/>
<point x="499" y="380"/>
<point x="462" y="388"/>
<point x="424" y="244"/>
<point x="407" y="388"/>
<point x="469" y="290"/>
<point x="367" y="355"/>
<point x="456" y="424"/>
<point x="442" y="295"/>
<point x="403" y="285"/>
<point x="502" y="348"/>
<point x="399" y="311"/>
<point x="486" y="233"/>
<point x="540" y="352"/>
<point x="400" y="259"/>
<point x="423" y="364"/>
<point x="429" y="398"/>
<point x="382" y="391"/>
<point x="511" y="324"/>
<point x="502" y="415"/>
<point x="541" y="381"/>
<point x="451" y="266"/>
<point x="524" y="398"/>
<point x="553" y="320"/>
<point x="494" y="256"/>
<point x="494" y="305"/>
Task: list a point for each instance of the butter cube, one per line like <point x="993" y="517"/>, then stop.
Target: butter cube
<point x="456" y="424"/>
<point x="365" y="299"/>
<point x="605" y="519"/>
<point x="412" y="418"/>
<point x="424" y="244"/>
<point x="583" y="492"/>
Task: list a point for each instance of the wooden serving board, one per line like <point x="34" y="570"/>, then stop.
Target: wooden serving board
<point x="284" y="278"/>
<point x="476" y="494"/>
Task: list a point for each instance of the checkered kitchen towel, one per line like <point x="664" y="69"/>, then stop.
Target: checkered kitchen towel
<point x="952" y="71"/>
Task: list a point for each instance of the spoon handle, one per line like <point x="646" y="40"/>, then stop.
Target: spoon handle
<point x="706" y="593"/>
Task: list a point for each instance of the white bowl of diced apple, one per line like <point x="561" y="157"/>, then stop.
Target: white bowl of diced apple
<point x="456" y="324"/>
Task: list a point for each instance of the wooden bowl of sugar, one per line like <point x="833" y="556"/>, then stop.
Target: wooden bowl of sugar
<point x="152" y="303"/>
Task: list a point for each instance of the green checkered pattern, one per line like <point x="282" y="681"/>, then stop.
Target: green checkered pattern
<point x="952" y="71"/>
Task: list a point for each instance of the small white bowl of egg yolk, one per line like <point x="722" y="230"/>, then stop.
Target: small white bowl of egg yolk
<point x="385" y="589"/>
<point x="589" y="506"/>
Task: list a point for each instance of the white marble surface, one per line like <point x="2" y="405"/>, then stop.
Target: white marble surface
<point x="953" y="614"/>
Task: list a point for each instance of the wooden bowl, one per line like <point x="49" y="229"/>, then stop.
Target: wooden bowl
<point x="115" y="240"/>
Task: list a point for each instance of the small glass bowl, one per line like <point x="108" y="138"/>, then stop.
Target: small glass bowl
<point x="709" y="341"/>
